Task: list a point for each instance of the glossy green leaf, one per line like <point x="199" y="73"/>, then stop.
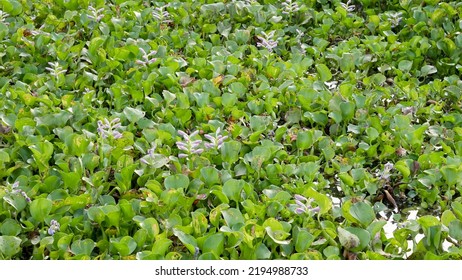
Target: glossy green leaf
<point x="9" y="246"/>
<point x="214" y="244"/>
<point x="177" y="181"/>
<point x="83" y="247"/>
<point x="40" y="209"/>
<point x="232" y="189"/>
<point x="362" y="212"/>
<point x="323" y="72"/>
<point x="233" y="217"/>
<point x="187" y="240"/>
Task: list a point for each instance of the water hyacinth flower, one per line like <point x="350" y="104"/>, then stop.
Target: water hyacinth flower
<point x="290" y="7"/>
<point x="347" y="6"/>
<point x="161" y="15"/>
<point x="267" y="41"/>
<point x="3" y="16"/>
<point x="394" y="18"/>
<point x="55" y="69"/>
<point x="107" y="128"/>
<point x="96" y="15"/>
<point x="331" y="85"/>
<point x="303" y="205"/>
<point x="385" y="174"/>
<point x="54" y="227"/>
<point x="188" y="146"/>
<point x="300" y="34"/>
<point x="147" y="57"/>
<point x="216" y="140"/>
<point x="15" y="188"/>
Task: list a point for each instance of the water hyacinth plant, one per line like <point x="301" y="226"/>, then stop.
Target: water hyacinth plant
<point x="147" y="58"/>
<point x="267" y="40"/>
<point x="216" y="140"/>
<point x="15" y="189"/>
<point x="189" y="146"/>
<point x="161" y="14"/>
<point x="54" y="227"/>
<point x="230" y="130"/>
<point x="303" y="205"/>
<point x="108" y="128"/>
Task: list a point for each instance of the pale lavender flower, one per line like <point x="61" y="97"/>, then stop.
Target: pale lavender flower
<point x="3" y="16"/>
<point x="290" y="7"/>
<point x="107" y="128"/>
<point x="189" y="146"/>
<point x="347" y="6"/>
<point x="385" y="174"/>
<point x="55" y="69"/>
<point x="300" y="34"/>
<point x="147" y="57"/>
<point x="300" y="197"/>
<point x="394" y="18"/>
<point x="161" y="15"/>
<point x="216" y="140"/>
<point x="267" y="41"/>
<point x="303" y="205"/>
<point x="15" y="188"/>
<point x="96" y="15"/>
<point x="54" y="227"/>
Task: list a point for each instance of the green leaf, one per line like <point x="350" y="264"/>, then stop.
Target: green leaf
<point x="9" y="246"/>
<point x="10" y="227"/>
<point x="428" y="221"/>
<point x="455" y="230"/>
<point x="210" y="175"/>
<point x="209" y="28"/>
<point x="40" y="209"/>
<point x="161" y="246"/>
<point x="83" y="247"/>
<point x="230" y="151"/>
<point x="323" y="72"/>
<point x="372" y="133"/>
<point x="405" y="65"/>
<point x="457" y="209"/>
<point x="363" y="212"/>
<point x="151" y="226"/>
<point x="177" y="181"/>
<point x="402" y="167"/>
<point x="348" y="110"/>
<point x="278" y="236"/>
<point x="451" y="174"/>
<point x="428" y="70"/>
<point x="112" y="213"/>
<point x="447" y="217"/>
<point x="262" y="252"/>
<point x="125" y="245"/>
<point x="303" y="240"/>
<point x="188" y="241"/>
<point x="133" y="114"/>
<point x="233" y="218"/>
<point x="96" y="214"/>
<point x="77" y="144"/>
<point x="232" y="189"/>
<point x="11" y="7"/>
<point x="347" y="239"/>
<point x="304" y="140"/>
<point x="214" y="243"/>
<point x="346" y="179"/>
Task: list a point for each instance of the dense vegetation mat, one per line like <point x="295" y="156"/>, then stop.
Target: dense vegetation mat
<point x="230" y="130"/>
